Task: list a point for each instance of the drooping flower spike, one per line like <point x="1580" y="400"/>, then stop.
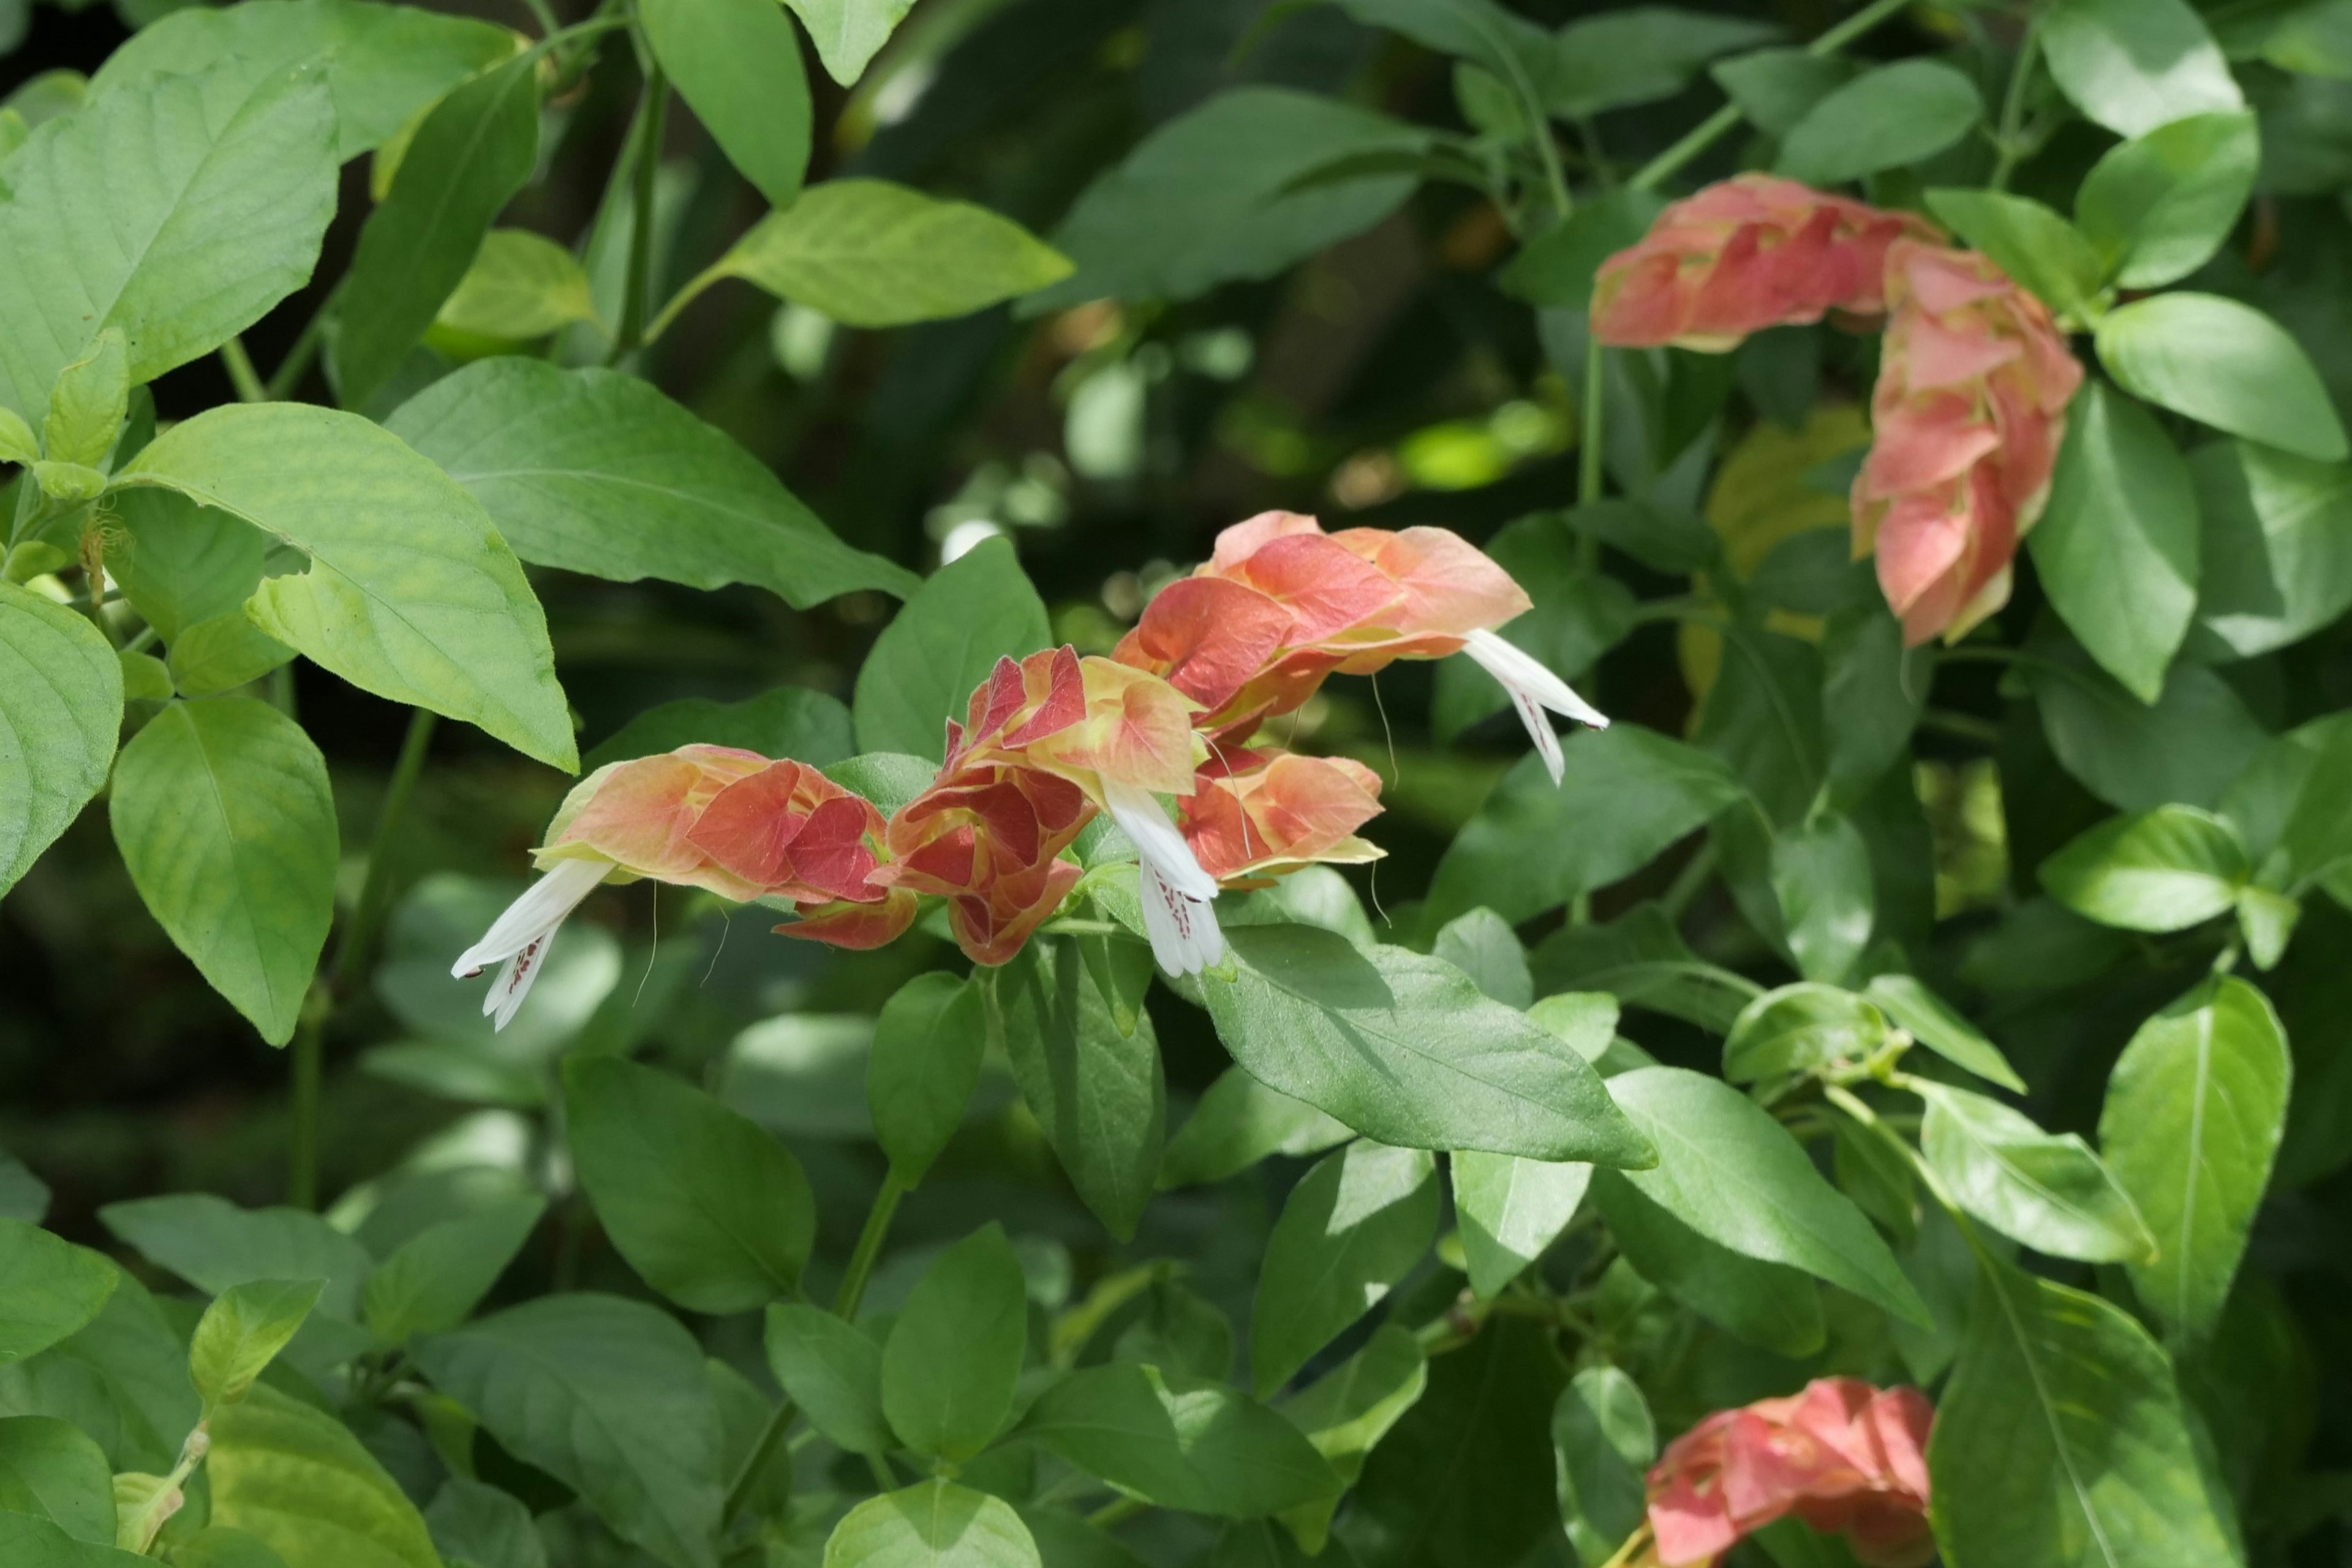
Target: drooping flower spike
<point x="1841" y="1456"/>
<point x="1744" y="254"/>
<point x="1968" y="416"/>
<point x="1281" y="606"/>
<point x="732" y="822"/>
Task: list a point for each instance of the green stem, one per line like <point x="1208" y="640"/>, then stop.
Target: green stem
<point x="299" y="358"/>
<point x="685" y="297"/>
<point x="2013" y="107"/>
<point x="1112" y="1514"/>
<point x="652" y="114"/>
<point x="739" y="1494"/>
<point x="869" y="1247"/>
<point x="1589" y="482"/>
<point x="1965" y="726"/>
<point x="1693" y="876"/>
<point x="1721" y="123"/>
<point x="241" y="373"/>
<point x="350" y="952"/>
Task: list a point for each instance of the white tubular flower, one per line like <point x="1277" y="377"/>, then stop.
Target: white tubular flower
<point x="1179" y="898"/>
<point x="1532" y="688"/>
<point x="523" y="935"/>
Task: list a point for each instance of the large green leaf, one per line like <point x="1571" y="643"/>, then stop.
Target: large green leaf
<point x="599" y="472"/>
<point x="467" y="159"/>
<point x="609" y="1397"/>
<point x="2188" y="747"/>
<point x="472" y="1522"/>
<point x="519" y="288"/>
<point x="1602" y="1439"/>
<point x="242" y="1332"/>
<point x="383" y="63"/>
<point x="2062" y="1441"/>
<point x="1404" y="1049"/>
<point x="411" y="593"/>
<point x="214" y="1244"/>
<point x="28" y="1542"/>
<point x="2117" y="549"/>
<point x="1351" y="1229"/>
<point x="702" y="1202"/>
<point x="1096" y="1089"/>
<point x="1179" y="1441"/>
<point x="1224" y="192"/>
<point x="738" y="65"/>
<point x="1240" y="1121"/>
<point x="1628" y="794"/>
<point x="848" y="32"/>
<point x="294" y="1477"/>
<point x="2158" y="207"/>
<point x="122" y="1378"/>
<point x="1735" y="1176"/>
<point x="866" y="253"/>
<point x="2195" y="1111"/>
<point x="50" y="1469"/>
<point x="931" y="1524"/>
<point x="1884" y="118"/>
<point x="179" y="213"/>
<point x="2278" y="547"/>
<point x="435" y="1278"/>
<point x="60" y="705"/>
<point x="833" y="1370"/>
<point x="975" y="610"/>
<point x="48" y="1289"/>
<point x="226" y="823"/>
<point x="2159" y="870"/>
<point x="2225" y="363"/>
<point x="1510" y="1209"/>
<point x="928" y="1043"/>
<point x="2047" y="1190"/>
<point x="1346" y="1410"/>
<point x="1768" y="1305"/>
<point x="1639" y="55"/>
<point x="1821" y="880"/>
<point x="954" y="1357"/>
<point x="189" y="569"/>
<point x="2134" y="65"/>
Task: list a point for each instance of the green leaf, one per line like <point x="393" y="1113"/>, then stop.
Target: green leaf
<point x="2062" y="1440"/>
<point x="179" y="215"/>
<point x="90" y="402"/>
<point x="296" y="1479"/>
<point x="2225" y="363"/>
<point x="975" y="610"/>
<point x="595" y="471"/>
<point x="2165" y="869"/>
<point x="2198" y="736"/>
<point x="1639" y="55"/>
<point x="2117" y="549"/>
<point x="383" y="63"/>
<point x="865" y="253"/>
<point x="789" y="721"/>
<point x="1556" y="268"/>
<point x="848" y="32"/>
<point x="34" y="1543"/>
<point x="928" y="1047"/>
<point x="1508" y="46"/>
<point x="1346" y="1413"/>
<point x="2134" y="65"/>
<point x="520" y="286"/>
<point x="833" y="1370"/>
<point x="50" y="1287"/>
<point x="1404" y="1049"/>
<point x="1932" y="1022"/>
<point x="1178" y="1442"/>
<point x="709" y="1208"/>
<point x="60" y="705"/>
<point x="188" y="569"/>
<point x="1731" y="1173"/>
<point x="1628" y="795"/>
<point x="1821" y="880"/>
<point x="464" y="162"/>
<point x="738" y="65"/>
<point x="1884" y="118"/>
<point x="1482" y="945"/>
<point x="609" y="1397"/>
<point x="1510" y="1210"/>
<point x="2158" y="207"/>
<point x="1603" y="1439"/>
<point x="218" y="1546"/>
<point x="2050" y="256"/>
<point x="1096" y="1092"/>
<point x="954" y="1355"/>
<point x="122" y="1378"/>
<point x="435" y="1280"/>
<point x="2278" y="547"/>
<point x="226" y="824"/>
<point x="17" y="444"/>
<point x="411" y="594"/>
<point x="1352" y="1228"/>
<point x="1240" y="1121"/>
<point x="50" y="1469"/>
<point x="1775" y="89"/>
<point x="479" y="1524"/>
<point x="931" y="1524"/>
<point x="2195" y="1109"/>
<point x="242" y="1332"/>
<point x="1768" y="1305"/>
<point x="1227" y="191"/>
<point x="1797" y="1028"/>
<point x="215" y="1246"/>
<point x="2049" y="1190"/>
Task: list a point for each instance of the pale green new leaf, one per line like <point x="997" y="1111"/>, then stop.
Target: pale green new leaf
<point x="931" y="1524"/>
<point x="88" y="404"/>
<point x="60" y="705"/>
<point x="411" y="593"/>
<point x="2194" y="1113"/>
<point x="226" y="824"/>
<point x="242" y="1332"/>
<point x="1351" y="1229"/>
<point x="2134" y="65"/>
<point x="179" y="215"/>
<point x="294" y="1477"/>
<point x="848" y="32"/>
<point x="867" y="254"/>
<point x="521" y="286"/>
<point x="2047" y="1190"/>
<point x="2158" y="207"/>
<point x="599" y="472"/>
<point x="2165" y="869"/>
